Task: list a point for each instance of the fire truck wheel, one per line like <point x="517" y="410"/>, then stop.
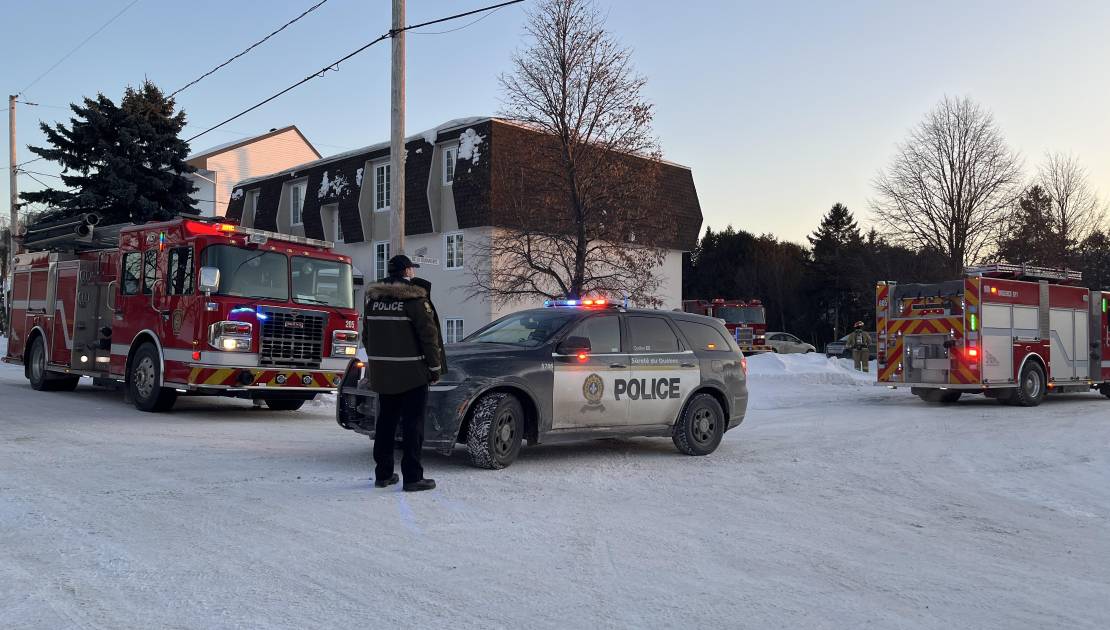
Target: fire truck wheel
<point x="278" y="404"/>
<point x="700" y="427"/>
<point x="1031" y="387"/>
<point x="945" y="396"/>
<point x="41" y="379"/>
<point x="146" y="371"/>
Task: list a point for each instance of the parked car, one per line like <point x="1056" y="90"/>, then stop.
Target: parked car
<point x="838" y="348"/>
<point x="785" y="343"/>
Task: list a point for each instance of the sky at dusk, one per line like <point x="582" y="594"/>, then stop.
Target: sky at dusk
<point x="780" y="109"/>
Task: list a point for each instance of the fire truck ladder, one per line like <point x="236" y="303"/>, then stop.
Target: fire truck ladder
<point x="71" y="234"/>
<point x="1025" y="272"/>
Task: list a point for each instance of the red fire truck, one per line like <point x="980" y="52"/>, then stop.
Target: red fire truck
<point x="746" y="320"/>
<point x="182" y="307"/>
<point x="1011" y="332"/>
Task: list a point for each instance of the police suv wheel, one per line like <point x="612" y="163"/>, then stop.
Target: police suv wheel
<point x="143" y="379"/>
<point x="496" y="428"/>
<point x="1032" y="386"/>
<point x="700" y="427"/>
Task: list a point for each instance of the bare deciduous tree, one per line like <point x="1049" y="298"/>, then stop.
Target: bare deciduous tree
<point x="1076" y="210"/>
<point x="950" y="185"/>
<point x="576" y="215"/>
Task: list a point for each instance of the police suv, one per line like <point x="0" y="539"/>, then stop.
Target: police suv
<point x="576" y="369"/>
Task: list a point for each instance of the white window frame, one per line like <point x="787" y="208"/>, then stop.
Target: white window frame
<point x="339" y="228"/>
<point x="296" y="214"/>
<point x="450" y="154"/>
<point x="384" y="269"/>
<point x="453" y="333"/>
<point x="388" y="188"/>
<point x="252" y="202"/>
<point x="460" y="259"/>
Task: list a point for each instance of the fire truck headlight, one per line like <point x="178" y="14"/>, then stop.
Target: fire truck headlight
<point x="230" y="336"/>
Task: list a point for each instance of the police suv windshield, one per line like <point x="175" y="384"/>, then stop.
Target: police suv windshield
<point x="326" y="282"/>
<point x="740" y="314"/>
<point x="528" y="328"/>
<point x="249" y="272"/>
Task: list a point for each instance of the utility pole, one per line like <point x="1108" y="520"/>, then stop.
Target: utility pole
<point x="397" y="134"/>
<point x="13" y="189"/>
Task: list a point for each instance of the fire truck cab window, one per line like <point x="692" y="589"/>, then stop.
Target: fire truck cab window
<point x="150" y="270"/>
<point x="249" y="272"/>
<point x="322" y="282"/>
<point x="132" y="273"/>
<point x="180" y="278"/>
<point x="740" y="314"/>
<point x="651" y="334"/>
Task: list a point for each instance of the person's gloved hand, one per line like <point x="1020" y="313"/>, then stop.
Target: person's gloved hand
<point x="433" y="377"/>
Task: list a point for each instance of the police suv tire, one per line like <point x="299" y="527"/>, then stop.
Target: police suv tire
<point x="42" y="380"/>
<point x="1032" y="386"/>
<point x="277" y="404"/>
<point x="496" y="427"/>
<point x="700" y="426"/>
<point x="142" y="381"/>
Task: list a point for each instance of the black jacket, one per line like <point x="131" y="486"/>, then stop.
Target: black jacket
<point x="427" y="286"/>
<point x="401" y="336"/>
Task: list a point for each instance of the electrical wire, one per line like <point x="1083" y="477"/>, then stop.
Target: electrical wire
<point x="335" y="65"/>
<point x="247" y="49"/>
<point x="467" y="25"/>
<point x="78" y="46"/>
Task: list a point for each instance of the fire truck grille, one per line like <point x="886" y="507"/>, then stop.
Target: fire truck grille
<point x="292" y="338"/>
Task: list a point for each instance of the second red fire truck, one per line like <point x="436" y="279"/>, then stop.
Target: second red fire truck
<point x="746" y="320"/>
<point x="1011" y="332"/>
<point x="182" y="307"/>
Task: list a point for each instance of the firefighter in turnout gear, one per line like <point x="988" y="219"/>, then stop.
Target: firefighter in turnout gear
<point x="404" y="356"/>
<point x="860" y="345"/>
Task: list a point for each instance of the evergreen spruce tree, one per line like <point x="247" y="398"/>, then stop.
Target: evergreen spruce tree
<point x="125" y="162"/>
<point x="1032" y="234"/>
<point x="836" y="267"/>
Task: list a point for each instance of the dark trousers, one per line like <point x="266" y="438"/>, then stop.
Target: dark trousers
<point x="408" y="409"/>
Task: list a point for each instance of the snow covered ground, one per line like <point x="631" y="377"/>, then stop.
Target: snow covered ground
<point x="835" y="505"/>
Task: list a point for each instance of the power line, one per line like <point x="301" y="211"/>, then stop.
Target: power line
<point x="29" y="173"/>
<point x="467" y="25"/>
<point x="335" y="65"/>
<point x="248" y="49"/>
<point x="78" y="46"/>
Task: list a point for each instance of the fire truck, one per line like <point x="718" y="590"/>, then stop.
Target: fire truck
<point x="1012" y="332"/>
<point x="184" y="306"/>
<point x="746" y="320"/>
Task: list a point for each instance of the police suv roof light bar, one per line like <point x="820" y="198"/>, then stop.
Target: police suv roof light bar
<point x="584" y="303"/>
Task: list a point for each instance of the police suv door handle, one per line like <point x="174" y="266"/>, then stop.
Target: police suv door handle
<point x="688" y="365"/>
<point x="617" y="365"/>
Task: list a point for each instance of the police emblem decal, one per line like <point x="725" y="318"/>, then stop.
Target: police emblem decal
<point x="593" y="389"/>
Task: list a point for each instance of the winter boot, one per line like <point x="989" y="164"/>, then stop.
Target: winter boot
<point x="417" y="486"/>
<point x="382" y="483"/>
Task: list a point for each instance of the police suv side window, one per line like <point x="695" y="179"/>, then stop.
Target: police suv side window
<point x="603" y="331"/>
<point x="651" y="334"/>
<point x="150" y="270"/>
<point x="132" y="273"/>
<point x="703" y="337"/>
<point x="181" y="271"/>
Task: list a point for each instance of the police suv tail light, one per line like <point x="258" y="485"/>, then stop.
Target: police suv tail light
<point x="230" y="336"/>
<point x="344" y="343"/>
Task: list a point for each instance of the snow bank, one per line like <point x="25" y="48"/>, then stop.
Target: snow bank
<point x="776" y="381"/>
<point x="3" y="346"/>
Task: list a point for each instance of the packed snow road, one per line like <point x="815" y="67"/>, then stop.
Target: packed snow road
<point x="835" y="505"/>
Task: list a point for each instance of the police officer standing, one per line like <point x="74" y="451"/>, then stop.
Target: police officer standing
<point x="404" y="355"/>
<point x="860" y="345"/>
